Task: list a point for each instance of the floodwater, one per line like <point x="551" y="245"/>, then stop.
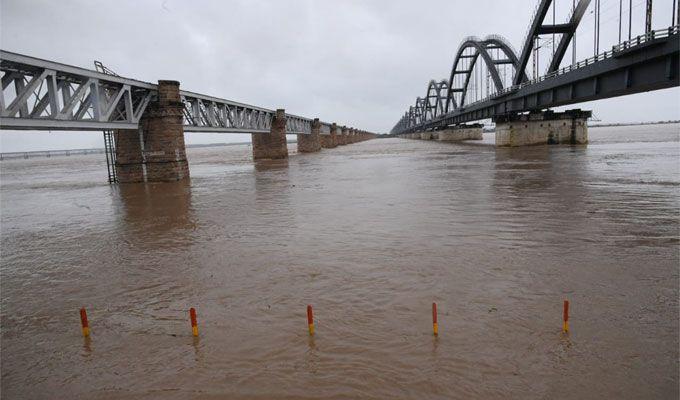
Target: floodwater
<point x="370" y="234"/>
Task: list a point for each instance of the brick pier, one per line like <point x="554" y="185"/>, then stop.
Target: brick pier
<point x="329" y="141"/>
<point x="310" y="143"/>
<point x="155" y="152"/>
<point x="272" y="145"/>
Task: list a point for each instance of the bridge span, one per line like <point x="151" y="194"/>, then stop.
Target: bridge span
<point x="144" y="123"/>
<point x="520" y="106"/>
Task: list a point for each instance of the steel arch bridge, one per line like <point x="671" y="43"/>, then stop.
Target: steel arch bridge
<point x="447" y="101"/>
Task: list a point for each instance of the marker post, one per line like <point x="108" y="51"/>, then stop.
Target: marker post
<point x="194" y="323"/>
<point x="310" y="320"/>
<point x="83" y="322"/>
<point x="435" y="325"/>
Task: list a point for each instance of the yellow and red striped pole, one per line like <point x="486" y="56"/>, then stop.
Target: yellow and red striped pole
<point x="84" y="323"/>
<point x="435" y="326"/>
<point x="194" y="324"/>
<point x="565" y="317"/>
<point x="310" y="320"/>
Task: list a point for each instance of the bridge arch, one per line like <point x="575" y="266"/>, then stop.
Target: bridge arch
<point x="435" y="99"/>
<point x="509" y="52"/>
<point x="481" y="48"/>
<point x="537" y="27"/>
<point x="412" y="121"/>
<point x="419" y="111"/>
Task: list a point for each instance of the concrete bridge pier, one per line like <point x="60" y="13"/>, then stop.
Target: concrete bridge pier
<point x="548" y="127"/>
<point x="461" y="132"/>
<point x="155" y="152"/>
<point x="310" y="143"/>
<point x="329" y="141"/>
<point x="272" y="145"/>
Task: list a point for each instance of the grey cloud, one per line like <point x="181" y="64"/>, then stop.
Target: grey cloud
<point x="360" y="63"/>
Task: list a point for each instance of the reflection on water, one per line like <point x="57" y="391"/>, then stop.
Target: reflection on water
<point x="156" y="214"/>
<point x="370" y="234"/>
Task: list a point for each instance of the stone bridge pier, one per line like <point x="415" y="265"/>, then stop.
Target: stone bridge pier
<point x="450" y="134"/>
<point x="155" y="152"/>
<point x="460" y="132"/>
<point x="329" y="141"/>
<point x="342" y="138"/>
<point x="548" y="127"/>
<point x="272" y="145"/>
<point x="310" y="143"/>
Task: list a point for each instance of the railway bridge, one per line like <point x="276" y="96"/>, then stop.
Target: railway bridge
<point x="144" y="123"/>
<point x="520" y="104"/>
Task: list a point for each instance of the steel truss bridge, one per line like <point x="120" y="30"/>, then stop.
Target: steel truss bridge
<point x="45" y="95"/>
<point x="643" y="63"/>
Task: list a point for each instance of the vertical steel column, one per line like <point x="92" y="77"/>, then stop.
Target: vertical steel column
<point x="648" y="17"/>
<point x="630" y="18"/>
<point x="554" y="4"/>
<point x="573" y="38"/>
<point x="599" y="10"/>
<point x="620" y="17"/>
<point x="596" y="38"/>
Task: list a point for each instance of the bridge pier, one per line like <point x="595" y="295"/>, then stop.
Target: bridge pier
<point x="155" y="152"/>
<point x="461" y="132"/>
<point x="548" y="127"/>
<point x="310" y="143"/>
<point x="342" y="137"/>
<point x="329" y="141"/>
<point x="272" y="145"/>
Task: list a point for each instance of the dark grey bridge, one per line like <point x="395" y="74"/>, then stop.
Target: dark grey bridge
<point x="643" y="63"/>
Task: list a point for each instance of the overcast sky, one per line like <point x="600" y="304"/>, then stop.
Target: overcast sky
<point x="358" y="63"/>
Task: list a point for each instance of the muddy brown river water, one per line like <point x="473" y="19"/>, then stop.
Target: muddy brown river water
<point x="370" y="234"/>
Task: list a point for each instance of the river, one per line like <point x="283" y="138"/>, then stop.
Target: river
<point x="370" y="234"/>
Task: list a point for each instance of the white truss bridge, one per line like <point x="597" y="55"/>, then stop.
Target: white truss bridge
<point x="45" y="95"/>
